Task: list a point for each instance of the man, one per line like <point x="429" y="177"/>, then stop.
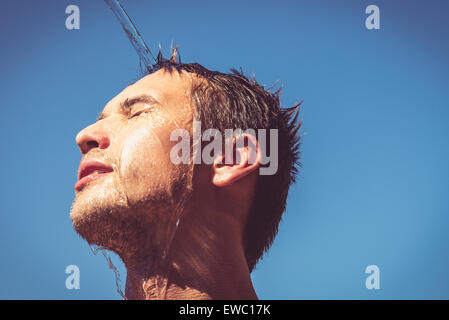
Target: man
<point x="184" y="230"/>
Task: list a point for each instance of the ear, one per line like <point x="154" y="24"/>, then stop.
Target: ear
<point x="245" y="157"/>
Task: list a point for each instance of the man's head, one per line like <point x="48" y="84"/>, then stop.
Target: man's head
<point x="133" y="204"/>
<point x="120" y="209"/>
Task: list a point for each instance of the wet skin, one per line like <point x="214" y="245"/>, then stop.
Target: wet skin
<point x="128" y="193"/>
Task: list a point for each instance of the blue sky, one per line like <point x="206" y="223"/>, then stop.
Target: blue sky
<point x="374" y="184"/>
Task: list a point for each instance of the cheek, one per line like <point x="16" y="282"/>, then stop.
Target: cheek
<point x="143" y="161"/>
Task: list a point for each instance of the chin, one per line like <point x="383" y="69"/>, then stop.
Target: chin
<point x="104" y="218"/>
<point x="128" y="219"/>
<point x="95" y="213"/>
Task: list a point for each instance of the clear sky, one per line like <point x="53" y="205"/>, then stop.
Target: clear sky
<point x="374" y="184"/>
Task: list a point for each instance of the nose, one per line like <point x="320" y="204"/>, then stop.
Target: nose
<point x="92" y="137"/>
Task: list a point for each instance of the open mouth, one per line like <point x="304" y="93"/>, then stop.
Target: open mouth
<point x="90" y="170"/>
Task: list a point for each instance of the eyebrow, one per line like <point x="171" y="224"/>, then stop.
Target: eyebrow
<point x="129" y="102"/>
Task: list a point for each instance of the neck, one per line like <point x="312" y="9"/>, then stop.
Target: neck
<point x="205" y="261"/>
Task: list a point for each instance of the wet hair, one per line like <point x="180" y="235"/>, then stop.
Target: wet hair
<point x="234" y="101"/>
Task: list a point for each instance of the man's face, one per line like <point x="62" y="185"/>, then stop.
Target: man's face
<point x="127" y="186"/>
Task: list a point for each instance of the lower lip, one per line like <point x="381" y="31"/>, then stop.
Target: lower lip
<point x="80" y="184"/>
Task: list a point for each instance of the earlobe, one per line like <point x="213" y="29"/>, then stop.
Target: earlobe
<point x="245" y="159"/>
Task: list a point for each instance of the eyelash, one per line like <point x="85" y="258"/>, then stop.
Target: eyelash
<point x="138" y="113"/>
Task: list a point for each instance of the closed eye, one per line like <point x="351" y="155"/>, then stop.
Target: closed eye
<point x="127" y="105"/>
<point x="138" y="113"/>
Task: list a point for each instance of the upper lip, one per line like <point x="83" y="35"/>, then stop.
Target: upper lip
<point x="89" y="166"/>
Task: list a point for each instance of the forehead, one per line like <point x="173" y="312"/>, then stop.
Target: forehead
<point x="165" y="84"/>
<point x="166" y="87"/>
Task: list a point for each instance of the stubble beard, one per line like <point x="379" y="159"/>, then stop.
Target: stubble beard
<point x="138" y="231"/>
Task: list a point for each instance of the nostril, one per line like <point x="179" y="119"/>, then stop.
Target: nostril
<point x="92" y="144"/>
<point x="91" y="138"/>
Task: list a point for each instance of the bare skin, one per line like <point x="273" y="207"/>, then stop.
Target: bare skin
<point x="133" y="208"/>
